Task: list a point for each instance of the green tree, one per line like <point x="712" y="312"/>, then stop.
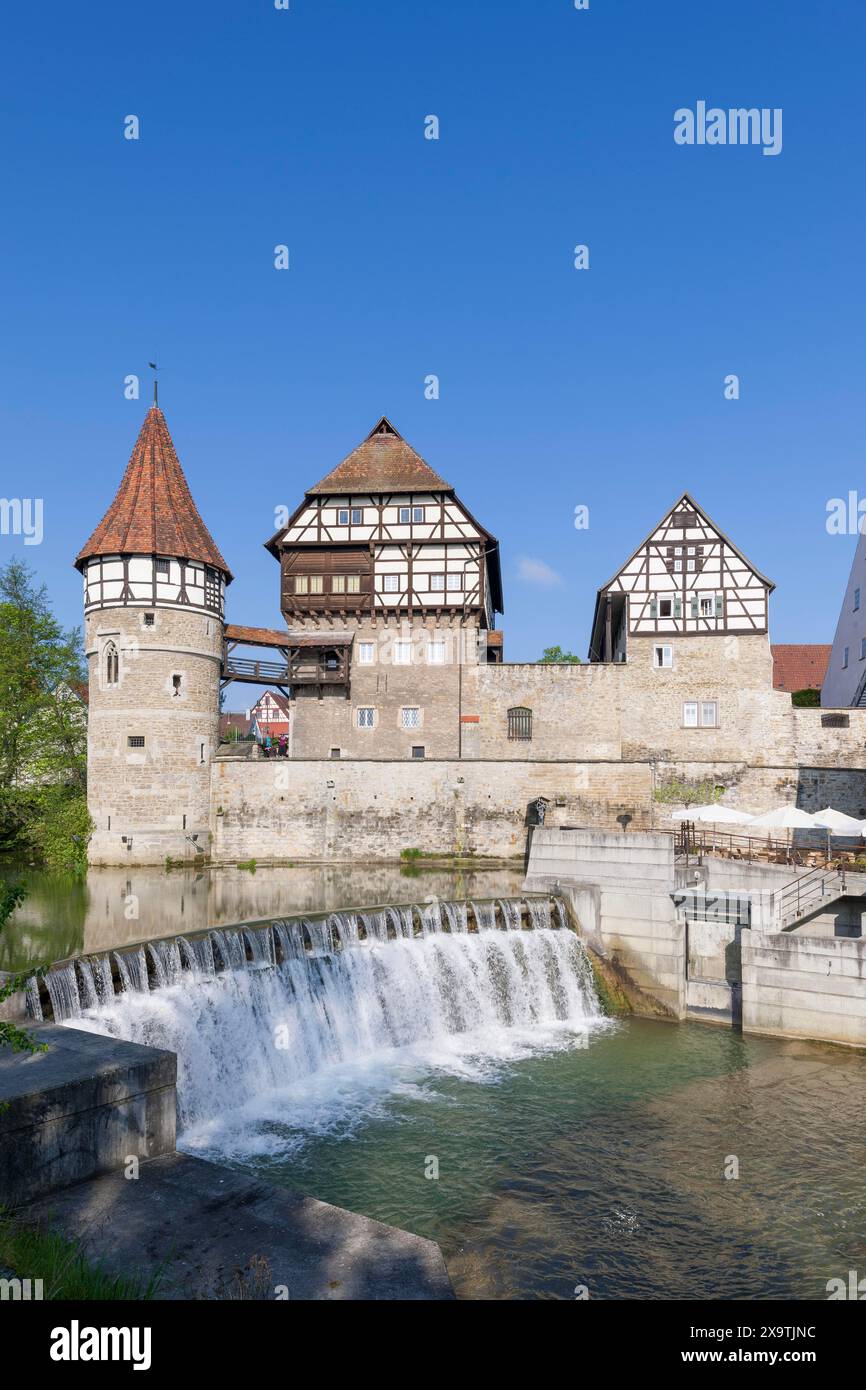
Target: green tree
<point x="43" y="727"/>
<point x="11" y="894"/>
<point x="553" y="656"/>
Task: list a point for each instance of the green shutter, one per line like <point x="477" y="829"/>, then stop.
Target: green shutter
<point x="678" y="607"/>
<point x="720" y="606"/>
<point x="694" y="605"/>
<point x="654" y="607"/>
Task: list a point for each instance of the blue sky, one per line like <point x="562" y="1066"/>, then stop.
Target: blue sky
<point x="409" y="257"/>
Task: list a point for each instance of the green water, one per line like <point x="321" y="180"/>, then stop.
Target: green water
<point x="605" y="1167"/>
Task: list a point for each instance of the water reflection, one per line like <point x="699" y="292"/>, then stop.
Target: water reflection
<point x="113" y="907"/>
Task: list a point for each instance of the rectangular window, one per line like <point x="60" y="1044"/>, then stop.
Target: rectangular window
<point x="844" y="658"/>
<point x="402" y="654"/>
<point x="690" y="714"/>
<point x="709" y="714"/>
<point x="405" y="515"/>
<point x="435" y="653"/>
<point x="454" y="580"/>
<point x="665" y="607"/>
<point x="365" y="717"/>
<point x="856" y="599"/>
<point x="301" y="584"/>
<point x="357" y="516"/>
<point x="342" y="516"/>
<point x="417" y="513"/>
<point x="678" y="565"/>
<point x="148" y="620"/>
<point x="520" y="723"/>
<point x="862" y="648"/>
<point x="410" y="718"/>
<point x="437" y="582"/>
<point x="353" y="583"/>
<point x="338" y="583"/>
<point x="162" y="567"/>
<point x="366" y="653"/>
<point x="663" y="657"/>
<point x="336" y="753"/>
<point x="391" y="583"/>
<point x="317" y="584"/>
<point x="418" y="751"/>
<point x="135" y="741"/>
<point x="708" y="606"/>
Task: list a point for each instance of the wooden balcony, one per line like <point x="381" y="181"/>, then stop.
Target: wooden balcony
<point x="308" y="660"/>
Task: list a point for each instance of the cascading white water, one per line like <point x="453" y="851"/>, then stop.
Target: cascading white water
<point x="270" y="1051"/>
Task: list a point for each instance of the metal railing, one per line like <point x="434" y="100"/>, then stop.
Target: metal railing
<point x="806" y="893"/>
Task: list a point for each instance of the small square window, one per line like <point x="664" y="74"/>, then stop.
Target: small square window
<point x="301" y="584"/>
<point x="418" y="751"/>
<point x="353" y="583"/>
<point x="405" y="515"/>
<point x="690" y="714"/>
<point x="148" y="619"/>
<point x="366" y="653"/>
<point x="357" y="516"/>
<point x="707" y="607"/>
<point x="417" y="513"/>
<point x="402" y="654"/>
<point x="410" y="718"/>
<point x="336" y="752"/>
<point x="391" y="583"/>
<point x="663" y="657"/>
<point x="338" y="583"/>
<point x="437" y="582"/>
<point x="365" y="717"/>
<point x="316" y="583"/>
<point x="135" y="741"/>
<point x="435" y="653"/>
<point x="342" y="516"/>
<point x="455" y="580"/>
<point x="162" y="567"/>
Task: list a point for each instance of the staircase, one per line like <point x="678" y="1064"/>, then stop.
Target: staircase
<point x="807" y="895"/>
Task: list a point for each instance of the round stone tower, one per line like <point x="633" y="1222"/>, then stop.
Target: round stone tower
<point x="154" y="598"/>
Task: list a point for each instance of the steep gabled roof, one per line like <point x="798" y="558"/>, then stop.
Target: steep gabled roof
<point x="383" y="462"/>
<point x="153" y="512"/>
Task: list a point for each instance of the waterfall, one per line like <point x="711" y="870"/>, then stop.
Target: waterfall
<point x="132" y="966"/>
<point x="374" y="926"/>
<point x="458" y="916"/>
<point x="510" y="913"/>
<point x="485" y="915"/>
<point x="261" y="944"/>
<point x="401" y="920"/>
<point x="34" y="1003"/>
<point x="539" y="912"/>
<point x="293" y="1044"/>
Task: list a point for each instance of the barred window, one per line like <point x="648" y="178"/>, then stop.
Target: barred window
<point x="365" y="717"/>
<point x="411" y="717"/>
<point x="135" y="740"/>
<point x="520" y="723"/>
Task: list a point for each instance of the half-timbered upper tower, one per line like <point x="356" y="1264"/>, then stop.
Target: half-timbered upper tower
<point x="385" y="567"/>
<point x="154" y="593"/>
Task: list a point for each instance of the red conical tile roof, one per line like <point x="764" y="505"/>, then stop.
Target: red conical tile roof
<point x="153" y="512"/>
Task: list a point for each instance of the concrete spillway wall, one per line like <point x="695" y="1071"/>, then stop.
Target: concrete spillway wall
<point x="623" y="891"/>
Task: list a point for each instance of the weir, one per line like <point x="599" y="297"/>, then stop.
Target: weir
<point x="252" y="1011"/>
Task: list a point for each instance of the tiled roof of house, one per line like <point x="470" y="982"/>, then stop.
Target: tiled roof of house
<point x="234" y="721"/>
<point x="153" y="512"/>
<point x="279" y="700"/>
<point x="799" y="666"/>
<point x="384" y="462"/>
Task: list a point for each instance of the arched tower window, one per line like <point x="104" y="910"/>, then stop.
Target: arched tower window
<point x="520" y="722"/>
<point x="112" y="664"/>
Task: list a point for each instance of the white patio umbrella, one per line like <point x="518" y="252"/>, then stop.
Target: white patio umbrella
<point x="837" y="822"/>
<point x="784" y="818"/>
<point x="714" y="814"/>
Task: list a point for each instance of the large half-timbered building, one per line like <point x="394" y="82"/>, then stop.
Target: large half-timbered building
<point x="389" y="574"/>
